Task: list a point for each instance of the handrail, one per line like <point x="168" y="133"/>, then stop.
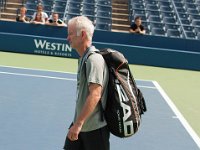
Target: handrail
<point x="176" y="12"/>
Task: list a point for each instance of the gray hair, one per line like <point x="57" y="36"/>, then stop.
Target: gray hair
<point x="82" y="23"/>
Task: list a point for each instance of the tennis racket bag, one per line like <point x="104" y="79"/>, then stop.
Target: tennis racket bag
<point x="125" y="103"/>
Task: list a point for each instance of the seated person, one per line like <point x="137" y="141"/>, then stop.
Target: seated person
<point x="22" y="16"/>
<point x="38" y="19"/>
<point x="40" y="10"/>
<point x="137" y="26"/>
<point x="55" y="21"/>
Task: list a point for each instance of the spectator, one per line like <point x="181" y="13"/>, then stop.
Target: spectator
<point x="22" y="16"/>
<point x="137" y="26"/>
<point x="40" y="10"/>
<point x="38" y="19"/>
<point x="55" y="21"/>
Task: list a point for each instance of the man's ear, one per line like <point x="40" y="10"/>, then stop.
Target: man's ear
<point x="83" y="34"/>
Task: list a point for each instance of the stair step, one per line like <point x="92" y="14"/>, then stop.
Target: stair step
<point x="14" y="1"/>
<point x="13" y="5"/>
<point x="120" y="27"/>
<point x="122" y="6"/>
<point x="118" y="10"/>
<point x="10" y="10"/>
<point x="120" y="15"/>
<point x="121" y="21"/>
<point x="8" y="16"/>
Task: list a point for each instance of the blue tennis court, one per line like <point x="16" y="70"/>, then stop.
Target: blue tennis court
<point x="37" y="106"/>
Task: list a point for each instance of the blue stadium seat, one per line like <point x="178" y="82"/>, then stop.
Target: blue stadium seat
<point x="172" y="27"/>
<point x="180" y="5"/>
<point x="192" y="11"/>
<point x="90" y="1"/>
<point x="30" y="13"/>
<point x="104" y="8"/>
<point x="59" y="9"/>
<point x="196" y="22"/>
<point x="69" y="16"/>
<point x="156" y="25"/>
<point x="75" y="1"/>
<point x="188" y="28"/>
<point x="197" y="30"/>
<point x="198" y="35"/>
<point x="138" y="12"/>
<point x="87" y="12"/>
<point x="164" y="3"/>
<point x="101" y="20"/>
<point x="32" y="1"/>
<point x="138" y="6"/>
<point x="47" y="8"/>
<point x="190" y="35"/>
<point x="153" y="13"/>
<point x="167" y="14"/>
<point x="31" y="6"/>
<point x="47" y="2"/>
<point x="104" y="2"/>
<point x="158" y="32"/>
<point x="181" y="10"/>
<point x="190" y="1"/>
<point x="151" y="2"/>
<point x="154" y="19"/>
<point x="185" y="21"/>
<point x="106" y="27"/>
<point x="74" y="5"/>
<point x="151" y="7"/>
<point x="60" y="4"/>
<point x="169" y="20"/>
<point x="74" y="10"/>
<point x="183" y="16"/>
<point x="173" y="33"/>
<point x="136" y="1"/>
<point x="191" y="6"/>
<point x="194" y="17"/>
<point x="166" y="9"/>
<point x="87" y="6"/>
<point x="104" y="14"/>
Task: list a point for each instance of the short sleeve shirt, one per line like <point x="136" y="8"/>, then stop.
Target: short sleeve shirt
<point x="134" y="27"/>
<point x="91" y="70"/>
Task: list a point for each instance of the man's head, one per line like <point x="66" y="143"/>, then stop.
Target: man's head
<point x="80" y="32"/>
<point x="23" y="11"/>
<point x="138" y="21"/>
<point x="55" y="16"/>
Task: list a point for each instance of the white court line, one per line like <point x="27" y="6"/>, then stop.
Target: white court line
<point x="33" y="69"/>
<point x="178" y="114"/>
<point x="58" y="78"/>
<point x="37" y="76"/>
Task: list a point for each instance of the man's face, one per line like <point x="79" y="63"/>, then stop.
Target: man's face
<point x="72" y="38"/>
<point x="40" y="9"/>
<point x="138" y="22"/>
<point x="55" y="17"/>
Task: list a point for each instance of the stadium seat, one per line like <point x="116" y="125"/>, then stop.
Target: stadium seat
<point x="60" y="4"/>
<point x="172" y="27"/>
<point x="87" y="6"/>
<point x="151" y="2"/>
<point x="191" y="6"/>
<point x="164" y="3"/>
<point x="59" y="9"/>
<point x="188" y="28"/>
<point x="198" y="35"/>
<point x="197" y="30"/>
<point x="180" y="10"/>
<point x="195" y="22"/>
<point x="158" y="32"/>
<point x="183" y="16"/>
<point x="173" y="33"/>
<point x="90" y="1"/>
<point x="167" y="14"/>
<point x="104" y="14"/>
<point x="31" y="6"/>
<point x="185" y="21"/>
<point x="74" y="5"/>
<point x="101" y="20"/>
<point x="47" y="8"/>
<point x="104" y="8"/>
<point x="179" y="5"/>
<point x="154" y="19"/>
<point x="47" y="2"/>
<point x="194" y="17"/>
<point x="87" y="12"/>
<point x="104" y="2"/>
<point x="153" y="13"/>
<point x="166" y="9"/>
<point x="106" y="27"/>
<point x="138" y="6"/>
<point x="190" y="35"/>
<point x="156" y="25"/>
<point x="192" y="11"/>
<point x="32" y="1"/>
<point x="30" y="13"/>
<point x="169" y="20"/>
<point x="73" y="10"/>
<point x="151" y="7"/>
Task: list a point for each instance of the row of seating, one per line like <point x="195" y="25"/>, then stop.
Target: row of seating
<point x="100" y="12"/>
<point x="174" y="18"/>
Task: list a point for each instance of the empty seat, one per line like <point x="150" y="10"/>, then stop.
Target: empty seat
<point x="74" y="10"/>
<point x="74" y="5"/>
<point x="156" y="25"/>
<point x="191" y="6"/>
<point x="106" y="27"/>
<point x="167" y="14"/>
<point x="169" y="20"/>
<point x="166" y="8"/>
<point x="90" y="1"/>
<point x="185" y="21"/>
<point x="87" y="6"/>
<point x="104" y="2"/>
<point x="181" y="5"/>
<point x="136" y="1"/>
<point x="104" y="14"/>
<point x="153" y="13"/>
<point x="163" y="3"/>
<point x="32" y="1"/>
<point x="190" y="35"/>
<point x="196" y="22"/>
<point x="158" y="32"/>
<point x="192" y="11"/>
<point x="87" y="12"/>
<point x="60" y="4"/>
<point x="197" y="29"/>
<point x="155" y="19"/>
<point x="183" y="16"/>
<point x="181" y="10"/>
<point x="47" y="8"/>
<point x="190" y="1"/>
<point x="104" y="8"/>
<point x="151" y="2"/>
<point x="47" y="2"/>
<point x="101" y="20"/>
<point x="137" y="6"/>
<point x="69" y="16"/>
<point x="194" y="17"/>
<point x="173" y="33"/>
<point x="30" y="13"/>
<point x="172" y="27"/>
<point x="31" y="6"/>
<point x="59" y="9"/>
<point x="151" y="7"/>
<point x="138" y="12"/>
<point x="188" y="28"/>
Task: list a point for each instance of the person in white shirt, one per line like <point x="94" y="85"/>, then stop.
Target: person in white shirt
<point x="40" y="10"/>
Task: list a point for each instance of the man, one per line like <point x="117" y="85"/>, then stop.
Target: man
<point x="137" y="26"/>
<point x="88" y="131"/>
<point x="22" y="16"/>
<point x="55" y="21"/>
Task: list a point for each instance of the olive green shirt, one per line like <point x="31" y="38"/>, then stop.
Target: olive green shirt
<point x="92" y="69"/>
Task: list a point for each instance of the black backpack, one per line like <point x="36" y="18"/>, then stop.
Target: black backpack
<point x="125" y="102"/>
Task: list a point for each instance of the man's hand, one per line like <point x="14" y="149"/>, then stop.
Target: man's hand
<point x="74" y="132"/>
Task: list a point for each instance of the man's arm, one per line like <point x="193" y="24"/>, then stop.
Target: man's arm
<point x="89" y="106"/>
